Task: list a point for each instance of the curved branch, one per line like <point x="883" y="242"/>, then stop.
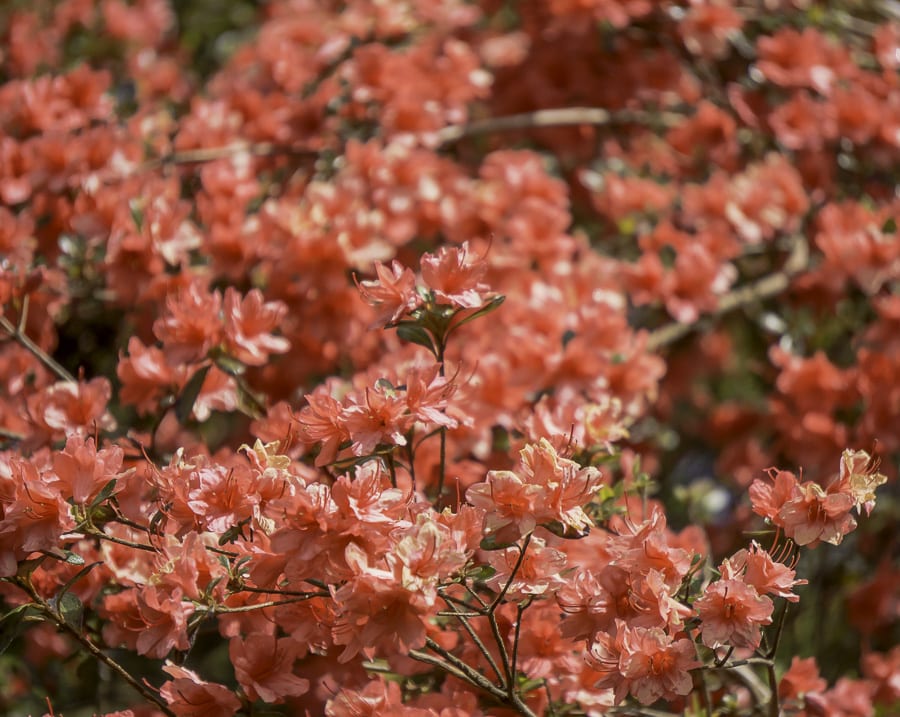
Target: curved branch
<point x="764" y="288"/>
<point x="558" y="117"/>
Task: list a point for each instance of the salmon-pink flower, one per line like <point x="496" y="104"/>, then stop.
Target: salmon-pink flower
<point x="427" y="552"/>
<point x="454" y="278"/>
<point x="164" y="616"/>
<point x="191" y="326"/>
<point x="82" y="471"/>
<point x="732" y="613"/>
<point x="380" y="416"/>
<point x="567" y="487"/>
<point x="368" y="497"/>
<point x="427" y="394"/>
<point x="815" y="515"/>
<point x="393" y="293"/>
<point x="34" y="519"/>
<point x="545" y="489"/>
<point x="644" y="661"/>
<point x="801" y="678"/>
<point x="378" y="697"/>
<point x="189" y="696"/>
<point x="768" y="499"/>
<point x="508" y="502"/>
<point x="376" y="614"/>
<point x="248" y="326"/>
<point x="656" y="665"/>
<point x="264" y="666"/>
<point x="69" y="406"/>
<point x="766" y="575"/>
<point x="322" y="421"/>
<point x="145" y="374"/>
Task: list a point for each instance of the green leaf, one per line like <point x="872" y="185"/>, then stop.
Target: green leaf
<point x="565" y="531"/>
<point x="230" y="365"/>
<point x="75" y="578"/>
<point x="11" y="625"/>
<point x="70" y="609"/>
<point x="188" y="397"/>
<point x="248" y="403"/>
<point x="480" y="572"/>
<point x="527" y="685"/>
<point x="483" y="311"/>
<point x="137" y="214"/>
<point x="386" y="386"/>
<point x="490" y="542"/>
<point x="890" y="226"/>
<point x="106" y="491"/>
<point x="415" y="334"/>
<point x="64" y="556"/>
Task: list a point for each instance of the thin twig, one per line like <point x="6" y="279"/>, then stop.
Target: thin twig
<point x="764" y="288"/>
<point x="514" y="662"/>
<point x="774" y="708"/>
<point x="96" y="533"/>
<point x="456" y="672"/>
<point x="95" y="651"/>
<point x="223" y="609"/>
<point x="512" y="575"/>
<point x="472" y="676"/>
<point x="558" y="117"/>
<point x="474" y="635"/>
<point x="211" y="154"/>
<point x="22" y="339"/>
<point x="288" y="593"/>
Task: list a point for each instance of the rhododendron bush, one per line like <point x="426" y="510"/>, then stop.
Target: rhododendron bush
<point x="431" y="357"/>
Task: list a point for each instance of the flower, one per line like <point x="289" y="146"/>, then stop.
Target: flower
<point x="732" y="613"/>
<point x="454" y="278"/>
<point x="393" y="293"/>
<point x="189" y="696"/>
<point x="859" y="474"/>
<point x="264" y="664"/>
<point x="647" y="662"/>
<point x="814" y="515"/>
<point x="766" y="575"/>
<point x="248" y="326"/>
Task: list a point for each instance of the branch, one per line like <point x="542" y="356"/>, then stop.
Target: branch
<point x="559" y="117"/>
<point x="764" y="288"/>
<point x="22" y="339"/>
<point x="211" y="154"/>
<point x="95" y="651"/>
<point x="459" y="669"/>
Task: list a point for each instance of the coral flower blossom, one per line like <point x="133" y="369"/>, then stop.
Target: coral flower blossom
<point x="454" y="278"/>
<point x="189" y="696"/>
<point x="646" y="662"/>
<point x="732" y="613"/>
<point x="764" y="573"/>
<point x="816" y="516"/>
<point x="392" y="294"/>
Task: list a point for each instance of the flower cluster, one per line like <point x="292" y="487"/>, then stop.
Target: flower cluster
<point x="374" y="358"/>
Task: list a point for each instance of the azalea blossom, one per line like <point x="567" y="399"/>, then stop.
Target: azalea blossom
<point x="393" y="293"/>
<point x="732" y="613"/>
<point x="646" y="662"/>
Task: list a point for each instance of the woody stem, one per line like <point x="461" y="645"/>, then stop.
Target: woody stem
<point x="22" y="339"/>
<point x="442" y="461"/>
<point x="95" y="651"/>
